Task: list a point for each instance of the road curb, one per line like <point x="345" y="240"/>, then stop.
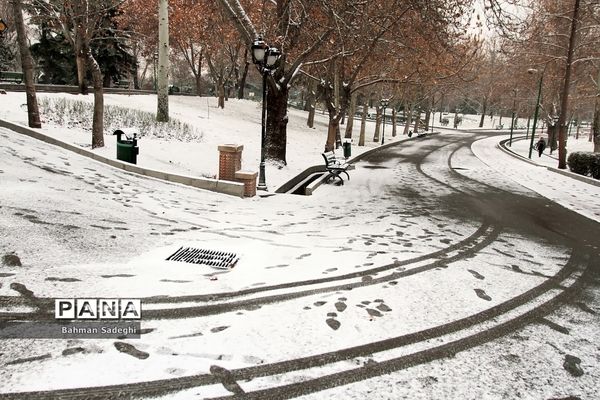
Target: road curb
<point x="585" y="179"/>
<point x="213" y="185"/>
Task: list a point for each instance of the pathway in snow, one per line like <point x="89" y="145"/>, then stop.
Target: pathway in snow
<point x="424" y="253"/>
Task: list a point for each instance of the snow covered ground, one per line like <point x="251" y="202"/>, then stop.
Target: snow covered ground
<point x="386" y="266"/>
<point x="238" y="123"/>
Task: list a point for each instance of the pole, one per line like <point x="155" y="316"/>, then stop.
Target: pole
<point x="383" y="132"/>
<point x="537" y="109"/>
<point x="512" y="119"/>
<point x="261" y="174"/>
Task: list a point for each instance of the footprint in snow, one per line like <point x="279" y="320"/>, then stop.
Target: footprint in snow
<point x="483" y="295"/>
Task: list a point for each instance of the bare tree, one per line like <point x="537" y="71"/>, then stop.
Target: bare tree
<point x="162" y="112"/>
<point x="33" y="113"/>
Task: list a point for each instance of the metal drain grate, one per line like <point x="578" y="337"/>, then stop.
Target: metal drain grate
<point x="212" y="258"/>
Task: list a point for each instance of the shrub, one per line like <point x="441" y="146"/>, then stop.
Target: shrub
<point x="585" y="163"/>
<point x="79" y="114"/>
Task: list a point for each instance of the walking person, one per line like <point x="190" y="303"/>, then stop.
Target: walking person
<point x="540" y="146"/>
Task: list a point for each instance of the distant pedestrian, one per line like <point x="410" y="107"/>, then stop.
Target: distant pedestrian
<point x="540" y="146"/>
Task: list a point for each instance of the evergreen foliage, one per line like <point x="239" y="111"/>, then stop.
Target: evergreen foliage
<point x="585" y="163"/>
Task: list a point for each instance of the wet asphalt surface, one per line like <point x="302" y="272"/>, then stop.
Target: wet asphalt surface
<point x="431" y="178"/>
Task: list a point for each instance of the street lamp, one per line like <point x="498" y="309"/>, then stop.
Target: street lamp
<point x="537" y="105"/>
<point x="384" y="103"/>
<point x="512" y="119"/>
<point x="266" y="59"/>
<point x="155" y="59"/>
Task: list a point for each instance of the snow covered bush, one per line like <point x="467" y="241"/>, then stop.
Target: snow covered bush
<point x="585" y="163"/>
<point x="78" y="114"/>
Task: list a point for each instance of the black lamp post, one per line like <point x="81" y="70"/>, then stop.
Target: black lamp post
<point x="155" y="58"/>
<point x="384" y="103"/>
<point x="537" y="106"/>
<point x="266" y="59"/>
<point x="512" y="119"/>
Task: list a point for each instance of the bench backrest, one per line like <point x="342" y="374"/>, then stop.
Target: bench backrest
<point x="329" y="157"/>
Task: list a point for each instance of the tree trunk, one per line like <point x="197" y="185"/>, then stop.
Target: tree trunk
<point x="198" y="76"/>
<point x="363" y="123"/>
<point x="199" y="85"/>
<point x="310" y="104"/>
<point x="377" y="123"/>
<point x="332" y="130"/>
<point x="417" y="120"/>
<point x="81" y="66"/>
<point x="136" y="67"/>
<point x="552" y="137"/>
<point x="221" y="93"/>
<point x="427" y="118"/>
<point x="483" y="113"/>
<point x="351" y="112"/>
<point x="562" y="118"/>
<point x="595" y="131"/>
<point x="162" y="113"/>
<point x="277" y="120"/>
<point x="242" y="82"/>
<point x="394" y="115"/>
<point x="98" y="119"/>
<point x="408" y="118"/>
<point x="33" y="114"/>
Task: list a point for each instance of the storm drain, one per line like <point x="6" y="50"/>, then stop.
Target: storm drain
<point x="212" y="258"/>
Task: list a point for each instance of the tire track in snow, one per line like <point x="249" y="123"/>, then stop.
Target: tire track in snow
<point x="566" y="283"/>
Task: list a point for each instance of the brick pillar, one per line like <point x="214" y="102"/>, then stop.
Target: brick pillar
<point x="248" y="178"/>
<point x="230" y="160"/>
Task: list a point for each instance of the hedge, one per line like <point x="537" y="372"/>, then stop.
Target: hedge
<point x="585" y="163"/>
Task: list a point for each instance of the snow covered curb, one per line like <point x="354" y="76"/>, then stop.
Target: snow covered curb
<point x="214" y="185"/>
<point x="502" y="146"/>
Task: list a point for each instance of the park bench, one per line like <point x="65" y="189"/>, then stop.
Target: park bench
<point x="335" y="166"/>
<point x="123" y="84"/>
<point x="11" y="76"/>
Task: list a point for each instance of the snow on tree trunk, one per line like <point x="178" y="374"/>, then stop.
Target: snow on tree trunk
<point x="33" y="114"/>
<point x="162" y="112"/>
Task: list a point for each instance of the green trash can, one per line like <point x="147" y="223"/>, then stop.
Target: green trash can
<point x="127" y="150"/>
<point x="347" y="145"/>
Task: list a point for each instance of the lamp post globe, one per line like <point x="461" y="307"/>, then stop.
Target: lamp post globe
<point x="273" y="54"/>
<point x="259" y="49"/>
